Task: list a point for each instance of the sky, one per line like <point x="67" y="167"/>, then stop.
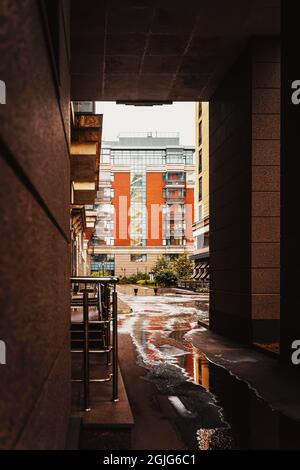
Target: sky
<point x="178" y="117"/>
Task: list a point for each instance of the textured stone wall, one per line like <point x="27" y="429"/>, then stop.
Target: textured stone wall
<point x="265" y="189"/>
<point x="230" y="182"/>
<point x="244" y="192"/>
<point x="34" y="248"/>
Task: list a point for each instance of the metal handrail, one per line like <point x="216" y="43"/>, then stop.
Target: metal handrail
<point x="94" y="280"/>
<point x="107" y="314"/>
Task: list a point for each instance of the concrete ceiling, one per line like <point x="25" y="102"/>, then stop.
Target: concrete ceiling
<point x="140" y="50"/>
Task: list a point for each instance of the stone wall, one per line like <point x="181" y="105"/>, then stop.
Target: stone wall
<point x="34" y="207"/>
<point x="244" y="196"/>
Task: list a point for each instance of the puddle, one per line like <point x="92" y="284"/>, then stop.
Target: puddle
<point x="214" y="410"/>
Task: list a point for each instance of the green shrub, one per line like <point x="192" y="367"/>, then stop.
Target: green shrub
<point x="183" y="267"/>
<point x="138" y="277"/>
<point x="161" y="264"/>
<point x="141" y="282"/>
<point x="100" y="274"/>
<point x="166" y="278"/>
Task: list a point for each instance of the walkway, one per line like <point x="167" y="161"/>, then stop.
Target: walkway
<point x="180" y="390"/>
<point x="158" y="369"/>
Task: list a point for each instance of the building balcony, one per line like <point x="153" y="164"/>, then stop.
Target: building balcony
<point x="177" y="195"/>
<point x="174" y="199"/>
<point x="176" y="179"/>
<point x="176" y="184"/>
<point x="105" y="216"/>
<point x="84" y="192"/>
<point x="85" y="157"/>
<point x="174" y="241"/>
<point x="101" y="199"/>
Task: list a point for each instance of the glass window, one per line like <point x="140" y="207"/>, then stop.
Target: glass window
<point x="200" y="133"/>
<point x="105" y="155"/>
<point x="103" y="263"/>
<point x="200" y="162"/>
<point x="200" y="189"/>
<point x="104" y="175"/>
<point x="141" y="258"/>
<point x="200" y="110"/>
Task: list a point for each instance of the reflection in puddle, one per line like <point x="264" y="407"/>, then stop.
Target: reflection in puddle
<point x="214" y="409"/>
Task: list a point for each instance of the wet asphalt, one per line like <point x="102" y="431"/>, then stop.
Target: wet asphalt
<point x="166" y="378"/>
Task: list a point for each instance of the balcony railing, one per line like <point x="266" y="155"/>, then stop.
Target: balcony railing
<point x="174" y="241"/>
<point x="178" y="195"/>
<point x="100" y="336"/>
<point x="175" y="179"/>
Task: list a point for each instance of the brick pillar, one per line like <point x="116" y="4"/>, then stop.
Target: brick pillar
<point x="290" y="148"/>
<point x="244" y="197"/>
<point x="265" y="189"/>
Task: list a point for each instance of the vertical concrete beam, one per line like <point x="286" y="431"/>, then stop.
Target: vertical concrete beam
<point x="35" y="227"/>
<point x="230" y="203"/>
<point x="290" y="149"/>
<point x="265" y="190"/>
<point x="244" y="197"/>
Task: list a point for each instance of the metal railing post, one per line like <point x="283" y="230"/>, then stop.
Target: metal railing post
<point x="115" y="345"/>
<point x="86" y="365"/>
<point x="108" y="329"/>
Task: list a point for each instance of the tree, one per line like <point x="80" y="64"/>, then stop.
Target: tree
<point x="162" y="263"/>
<point x="165" y="277"/>
<point x="183" y="267"/>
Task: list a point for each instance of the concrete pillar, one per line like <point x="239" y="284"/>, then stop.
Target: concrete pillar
<point x="265" y="191"/>
<point x="35" y="231"/>
<point x="244" y="197"/>
<point x="290" y="149"/>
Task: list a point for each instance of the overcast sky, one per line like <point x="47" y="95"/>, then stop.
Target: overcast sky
<point x="178" y="117"/>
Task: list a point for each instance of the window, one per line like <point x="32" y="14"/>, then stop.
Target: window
<point x="174" y="241"/>
<point x="200" y="133"/>
<point x="202" y="241"/>
<point x="138" y="258"/>
<point x="87" y="107"/>
<point x="200" y="110"/>
<point x="105" y="155"/>
<point x="189" y="157"/>
<point x="104" y="176"/>
<point x="175" y="156"/>
<point x="200" y="212"/>
<point x="200" y="161"/>
<point x="103" y="263"/>
<point x="140" y="157"/>
<point x="175" y="177"/>
<point x="104" y="194"/>
<point x="200" y="189"/>
<point x="174" y="194"/>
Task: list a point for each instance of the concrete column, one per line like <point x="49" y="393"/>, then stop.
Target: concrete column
<point x="244" y="197"/>
<point x="35" y="231"/>
<point x="290" y="149"/>
<point x="265" y="191"/>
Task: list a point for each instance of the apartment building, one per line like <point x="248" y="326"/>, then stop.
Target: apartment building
<point x="145" y="203"/>
<point x="201" y="224"/>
